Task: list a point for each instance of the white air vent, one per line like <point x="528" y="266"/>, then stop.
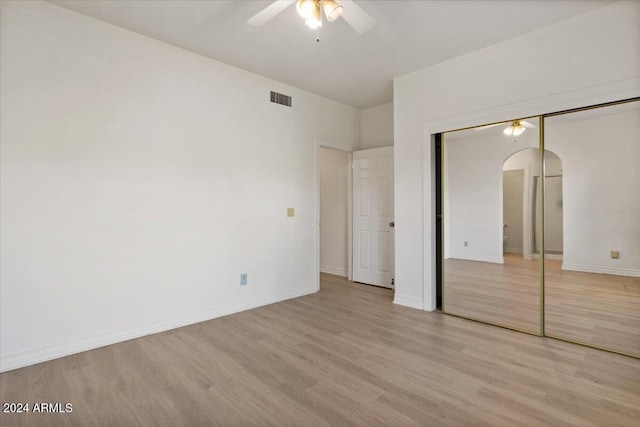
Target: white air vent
<point x="281" y="99"/>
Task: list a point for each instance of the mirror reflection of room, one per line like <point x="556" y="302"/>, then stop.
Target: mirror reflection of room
<point x="490" y="268"/>
<point x="493" y="212"/>
<point x="592" y="291"/>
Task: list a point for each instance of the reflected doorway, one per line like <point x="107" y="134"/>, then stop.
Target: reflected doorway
<point x="520" y="199"/>
<point x="553" y="215"/>
<point x="513" y="211"/>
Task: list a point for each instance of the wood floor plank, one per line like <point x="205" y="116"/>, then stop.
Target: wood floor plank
<point x="344" y="356"/>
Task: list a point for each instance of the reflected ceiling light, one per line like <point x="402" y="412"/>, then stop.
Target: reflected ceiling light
<point x="332" y="10"/>
<point x="515" y="128"/>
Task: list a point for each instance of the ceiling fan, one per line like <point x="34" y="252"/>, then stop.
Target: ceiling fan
<point x="515" y="128"/>
<point x="311" y="12"/>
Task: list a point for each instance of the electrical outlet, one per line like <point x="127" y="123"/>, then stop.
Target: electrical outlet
<point x="466" y="244"/>
<point x="615" y="254"/>
<point x="243" y="279"/>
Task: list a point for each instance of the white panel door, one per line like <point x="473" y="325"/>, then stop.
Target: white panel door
<point x="373" y="237"/>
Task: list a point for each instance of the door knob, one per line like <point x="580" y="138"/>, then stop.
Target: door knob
<point x="392" y="224"/>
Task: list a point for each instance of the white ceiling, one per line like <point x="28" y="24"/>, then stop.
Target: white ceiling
<point x="357" y="70"/>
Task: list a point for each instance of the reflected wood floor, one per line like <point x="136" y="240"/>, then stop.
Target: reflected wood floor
<point x="597" y="309"/>
<point x="344" y="356"/>
<point x="503" y="294"/>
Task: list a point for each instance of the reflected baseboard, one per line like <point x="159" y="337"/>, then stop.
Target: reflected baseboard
<point x="513" y="250"/>
<point x="548" y="256"/>
<point x="476" y="257"/>
<point x="629" y="272"/>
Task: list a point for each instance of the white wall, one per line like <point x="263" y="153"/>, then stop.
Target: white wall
<point x="528" y="158"/>
<point x="334" y="180"/>
<point x="140" y="180"/>
<point x="376" y="126"/>
<point x="585" y="60"/>
<point x="531" y="159"/>
<point x="601" y="200"/>
<point x="473" y="167"/>
<point x="473" y="190"/>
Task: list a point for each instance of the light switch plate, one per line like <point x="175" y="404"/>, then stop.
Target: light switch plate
<point x="290" y="212"/>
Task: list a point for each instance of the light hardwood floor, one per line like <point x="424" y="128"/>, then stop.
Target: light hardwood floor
<point x="597" y="309"/>
<point x="344" y="356"/>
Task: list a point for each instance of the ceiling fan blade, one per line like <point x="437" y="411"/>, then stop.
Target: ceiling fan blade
<point x="269" y="12"/>
<point x="527" y="124"/>
<point x="488" y="126"/>
<point x="360" y="20"/>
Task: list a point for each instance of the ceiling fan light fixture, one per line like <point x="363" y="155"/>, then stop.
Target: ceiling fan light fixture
<point x="315" y="20"/>
<point x="332" y="10"/>
<point x="518" y="129"/>
<point x="515" y="129"/>
<point x="306" y="8"/>
<point x="311" y="12"/>
<point x="313" y="23"/>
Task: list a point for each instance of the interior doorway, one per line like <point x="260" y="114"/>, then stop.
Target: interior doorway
<point x="553" y="242"/>
<point x="355" y="215"/>
<point x="513" y="212"/>
<point x="334" y="169"/>
<point x="518" y="202"/>
<point x="553" y="208"/>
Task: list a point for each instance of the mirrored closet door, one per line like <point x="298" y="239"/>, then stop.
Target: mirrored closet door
<point x="592" y="227"/>
<point x="491" y="271"/>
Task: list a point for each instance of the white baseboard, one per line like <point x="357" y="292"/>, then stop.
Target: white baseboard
<point x="513" y="250"/>
<point x="407" y="301"/>
<point x="334" y="270"/>
<point x="32" y="357"/>
<point x="475" y="257"/>
<point x="629" y="272"/>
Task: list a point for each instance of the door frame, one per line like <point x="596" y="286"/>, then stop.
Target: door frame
<point x="324" y="143"/>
